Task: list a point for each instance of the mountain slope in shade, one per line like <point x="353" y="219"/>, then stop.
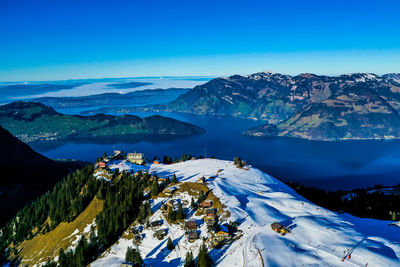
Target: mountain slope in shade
<point x="31" y="121"/>
<point x="352" y="113"/>
<point x="25" y="174"/>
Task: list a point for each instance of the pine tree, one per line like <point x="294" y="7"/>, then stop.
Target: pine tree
<point x="392" y="215"/>
<point x="203" y="259"/>
<point x="180" y="215"/>
<point x="174" y="180"/>
<point x="171" y="214"/>
<point x="62" y="259"/>
<point x="170" y="245"/>
<point x="202" y="196"/>
<point x="193" y="204"/>
<point x="133" y="256"/>
<point x="238" y="162"/>
<point x="189" y="260"/>
<point x="155" y="188"/>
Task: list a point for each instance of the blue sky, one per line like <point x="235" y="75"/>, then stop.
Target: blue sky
<point x="49" y="40"/>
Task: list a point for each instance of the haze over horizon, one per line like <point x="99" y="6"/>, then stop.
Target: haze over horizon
<point x="48" y="40"/>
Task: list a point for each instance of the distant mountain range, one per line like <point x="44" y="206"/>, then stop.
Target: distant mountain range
<point x="349" y="106"/>
<point x="31" y="122"/>
<point x="135" y="98"/>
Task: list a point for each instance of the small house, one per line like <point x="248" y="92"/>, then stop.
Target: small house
<point x="191" y="225"/>
<point x="211" y="223"/>
<point x="205" y="204"/>
<point x="210" y="213"/>
<point x="160" y="234"/>
<point x="135" y="158"/>
<point x="173" y="203"/>
<point x="202" y="180"/>
<point x="156" y="224"/>
<point x="193" y="236"/>
<point x="161" y="180"/>
<point x="279" y="228"/>
<point x="137" y="239"/>
<point x="101" y="164"/>
<point x="221" y="235"/>
<point x="169" y="191"/>
<point x="276" y="227"/>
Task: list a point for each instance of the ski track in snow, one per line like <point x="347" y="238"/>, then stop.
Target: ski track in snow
<point x="319" y="237"/>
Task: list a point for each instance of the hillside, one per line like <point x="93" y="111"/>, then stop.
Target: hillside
<point x="352" y="113"/>
<point x="30" y="122"/>
<point x="275" y="97"/>
<point x="349" y="106"/>
<point x="247" y="201"/>
<point x="26" y="174"/>
<point x="135" y="98"/>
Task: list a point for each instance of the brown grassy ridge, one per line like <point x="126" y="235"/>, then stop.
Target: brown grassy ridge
<point x="193" y="189"/>
<point x="43" y="247"/>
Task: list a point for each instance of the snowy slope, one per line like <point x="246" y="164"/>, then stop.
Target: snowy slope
<point x="318" y="237"/>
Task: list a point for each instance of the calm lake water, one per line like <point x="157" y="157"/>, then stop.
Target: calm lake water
<point x="329" y="165"/>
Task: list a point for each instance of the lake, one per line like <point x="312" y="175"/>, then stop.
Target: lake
<point x="328" y="165"/>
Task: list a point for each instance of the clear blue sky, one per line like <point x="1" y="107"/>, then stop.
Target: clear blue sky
<point x="58" y="39"/>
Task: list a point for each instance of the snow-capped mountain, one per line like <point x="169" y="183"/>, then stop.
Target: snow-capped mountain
<point x="255" y="200"/>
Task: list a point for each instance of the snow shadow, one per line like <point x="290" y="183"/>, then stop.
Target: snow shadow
<point x="219" y="254"/>
<point x="264" y="211"/>
<point x="158" y="261"/>
<point x="380" y="248"/>
<point x="288" y="223"/>
<point x="165" y="173"/>
<point x="165" y="252"/>
<point x="243" y="200"/>
<point x="155" y="249"/>
<point x="372" y="227"/>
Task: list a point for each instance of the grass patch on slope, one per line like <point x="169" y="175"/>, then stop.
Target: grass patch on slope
<point x="193" y="189"/>
<point x="42" y="247"/>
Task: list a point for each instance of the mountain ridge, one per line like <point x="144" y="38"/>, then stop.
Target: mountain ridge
<point x="33" y="122"/>
<point x="276" y="98"/>
<point x="25" y="174"/>
<point x="248" y="201"/>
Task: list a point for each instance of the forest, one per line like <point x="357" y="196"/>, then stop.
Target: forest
<point x="363" y="202"/>
<point x="122" y="198"/>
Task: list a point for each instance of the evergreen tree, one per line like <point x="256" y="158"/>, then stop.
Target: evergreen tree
<point x="170" y="245"/>
<point x="203" y="259"/>
<point x="180" y="215"/>
<point x="133" y="256"/>
<point x="155" y="188"/>
<point x="62" y="258"/>
<point x="167" y="160"/>
<point x="189" y="260"/>
<point x="202" y="196"/>
<point x="174" y="180"/>
<point x="193" y="204"/>
<point x="238" y="162"/>
<point x="392" y="215"/>
<point x="171" y="214"/>
<point x="144" y="211"/>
